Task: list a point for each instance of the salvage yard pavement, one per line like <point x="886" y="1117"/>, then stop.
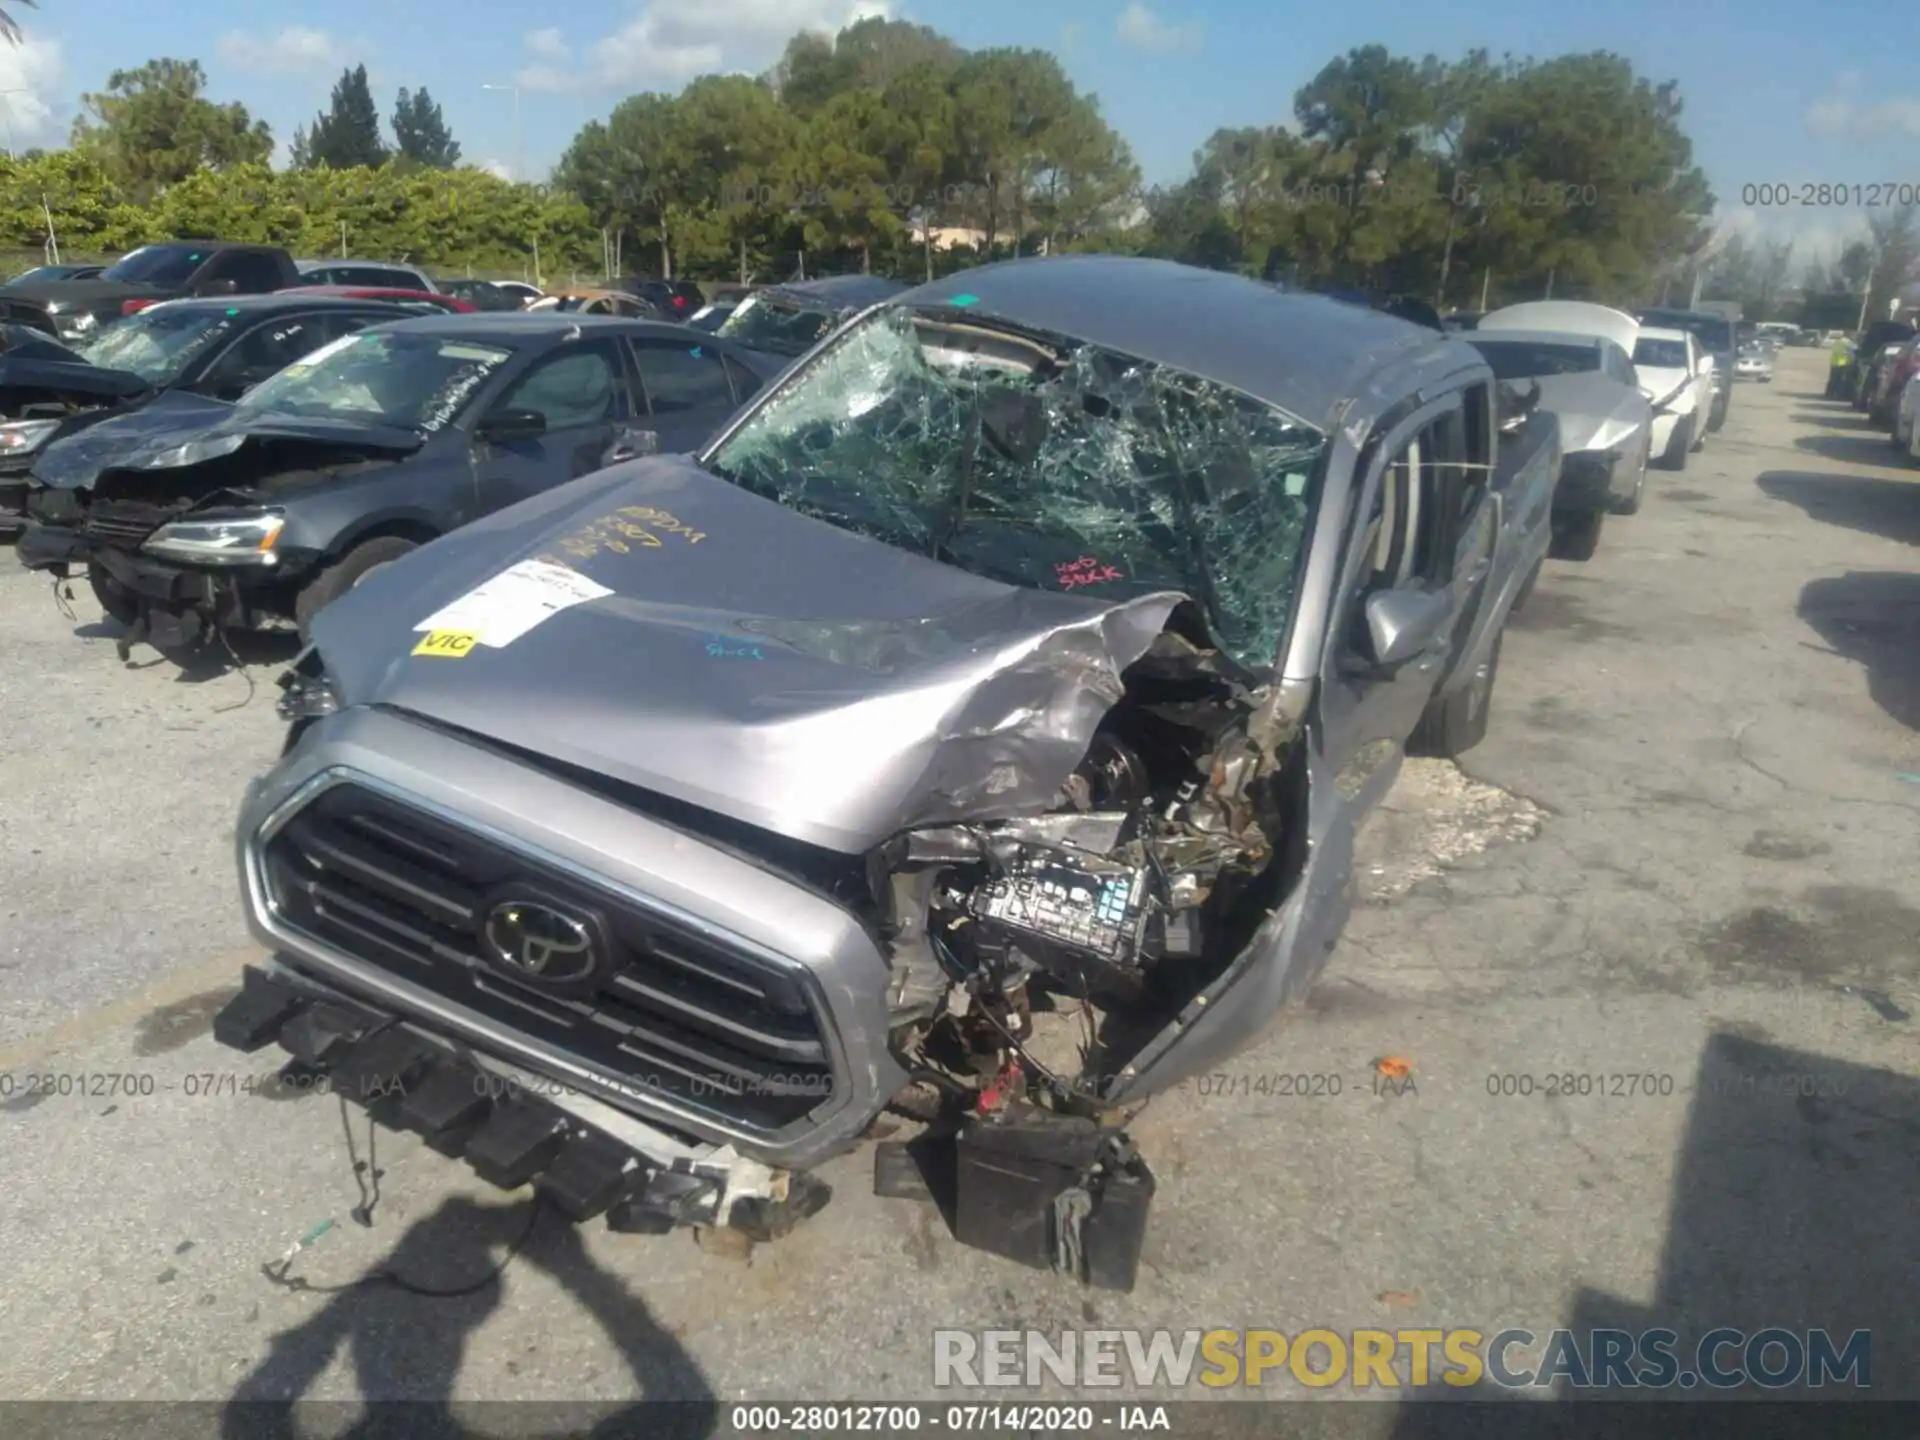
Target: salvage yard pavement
<point x="1686" y="853"/>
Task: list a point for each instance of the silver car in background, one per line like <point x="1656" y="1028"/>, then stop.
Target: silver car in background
<point x="1754" y="362"/>
<point x="1606" y="424"/>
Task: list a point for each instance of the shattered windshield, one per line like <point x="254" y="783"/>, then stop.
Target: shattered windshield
<point x="782" y="327"/>
<point x="1051" y="465"/>
<point x="417" y="382"/>
<point x="158" y="343"/>
<point x="157" y="265"/>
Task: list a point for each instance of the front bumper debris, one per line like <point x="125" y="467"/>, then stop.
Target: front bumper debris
<point x="512" y="1128"/>
<point x="52" y="548"/>
<point x="1053" y="1192"/>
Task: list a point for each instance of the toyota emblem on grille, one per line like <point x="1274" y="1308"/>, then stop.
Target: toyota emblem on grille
<point x="540" y="942"/>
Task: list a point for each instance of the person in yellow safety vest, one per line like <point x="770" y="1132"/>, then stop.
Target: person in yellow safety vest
<point x="1840" y="369"/>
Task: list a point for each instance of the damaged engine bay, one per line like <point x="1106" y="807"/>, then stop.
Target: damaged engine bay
<point x="1034" y="957"/>
<point x="1043" y="462"/>
<point x="1046" y="951"/>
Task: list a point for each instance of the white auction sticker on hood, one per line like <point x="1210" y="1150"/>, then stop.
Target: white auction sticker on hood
<point x="499" y="611"/>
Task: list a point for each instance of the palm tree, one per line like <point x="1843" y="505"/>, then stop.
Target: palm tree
<point x="9" y="30"/>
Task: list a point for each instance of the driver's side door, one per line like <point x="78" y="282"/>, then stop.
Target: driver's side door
<point x="583" y="394"/>
<point x="1399" y="543"/>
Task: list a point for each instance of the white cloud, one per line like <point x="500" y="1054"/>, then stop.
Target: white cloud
<point x="1140" y="29"/>
<point x="1839" y="116"/>
<point x="497" y="168"/>
<point x="31" y="73"/>
<point x="548" y="44"/>
<point x="1816" y="234"/>
<point x="296" y="50"/>
<point x="669" y="42"/>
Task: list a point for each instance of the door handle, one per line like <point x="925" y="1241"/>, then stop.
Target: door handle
<point x="631" y="445"/>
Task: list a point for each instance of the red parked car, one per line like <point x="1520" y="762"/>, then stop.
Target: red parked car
<point x="424" y="301"/>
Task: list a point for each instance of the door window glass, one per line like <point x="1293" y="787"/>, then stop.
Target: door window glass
<point x="679" y="378"/>
<point x="581" y="386"/>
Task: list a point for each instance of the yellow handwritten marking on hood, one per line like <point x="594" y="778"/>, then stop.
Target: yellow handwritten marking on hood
<point x="447" y="644"/>
<point x="631" y="523"/>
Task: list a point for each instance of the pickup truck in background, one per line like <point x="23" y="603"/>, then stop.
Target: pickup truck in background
<point x="76" y="310"/>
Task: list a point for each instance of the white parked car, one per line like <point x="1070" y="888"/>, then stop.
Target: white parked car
<point x="1676" y="376"/>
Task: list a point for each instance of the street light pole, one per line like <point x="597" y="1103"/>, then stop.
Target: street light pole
<point x="519" y="172"/>
<point x="6" y="114"/>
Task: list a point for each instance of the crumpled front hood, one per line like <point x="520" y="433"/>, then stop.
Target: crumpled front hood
<point x="180" y="429"/>
<point x="746" y="659"/>
<point x="1595" y="413"/>
<point x="33" y="360"/>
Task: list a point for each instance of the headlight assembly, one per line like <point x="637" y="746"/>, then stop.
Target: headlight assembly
<point x="23" y="437"/>
<point x="76" y="327"/>
<point x="244" y="540"/>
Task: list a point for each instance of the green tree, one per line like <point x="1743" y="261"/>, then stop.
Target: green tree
<point x="1895" y="239"/>
<point x="420" y="132"/>
<point x="154" y="126"/>
<point x="870" y="54"/>
<point x="1365" y="190"/>
<point x="1854" y="265"/>
<point x="1591" y="180"/>
<point x="635" y="171"/>
<point x="347" y="133"/>
<point x="846" y="197"/>
<point x="740" y="147"/>
<point x="9" y="28"/>
<point x="1007" y="105"/>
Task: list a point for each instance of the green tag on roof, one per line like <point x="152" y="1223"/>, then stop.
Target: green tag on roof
<point x="234" y="310"/>
<point x="964" y="300"/>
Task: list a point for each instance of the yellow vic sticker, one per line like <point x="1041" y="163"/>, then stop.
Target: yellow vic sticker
<point x="448" y="644"/>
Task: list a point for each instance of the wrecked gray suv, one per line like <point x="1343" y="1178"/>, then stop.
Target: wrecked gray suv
<point x="978" y="728"/>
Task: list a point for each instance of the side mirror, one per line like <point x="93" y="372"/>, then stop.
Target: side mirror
<point x="1405" y="624"/>
<point x="220" y="287"/>
<point x="507" y="425"/>
<point x="1705" y="366"/>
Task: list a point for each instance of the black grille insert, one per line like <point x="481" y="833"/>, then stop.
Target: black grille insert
<point x="678" y="1015"/>
<point x="126" y="524"/>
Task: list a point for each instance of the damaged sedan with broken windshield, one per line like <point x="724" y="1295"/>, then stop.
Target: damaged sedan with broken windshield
<point x="955" y="734"/>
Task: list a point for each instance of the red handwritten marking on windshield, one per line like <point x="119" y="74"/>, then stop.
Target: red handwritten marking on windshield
<point x="1085" y="571"/>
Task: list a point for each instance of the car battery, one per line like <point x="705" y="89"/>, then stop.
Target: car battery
<point x="1053" y="1192"/>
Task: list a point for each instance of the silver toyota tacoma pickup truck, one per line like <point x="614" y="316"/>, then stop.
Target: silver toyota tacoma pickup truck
<point x="978" y="728"/>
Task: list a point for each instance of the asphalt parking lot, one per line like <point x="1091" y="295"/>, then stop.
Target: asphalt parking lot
<point x="1687" y="849"/>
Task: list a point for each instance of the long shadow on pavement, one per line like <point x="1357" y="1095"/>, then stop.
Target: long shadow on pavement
<point x="1792" y="1207"/>
<point x="1860" y="502"/>
<point x="407" y="1347"/>
<point x="1869" y="445"/>
<point x="1873" y="617"/>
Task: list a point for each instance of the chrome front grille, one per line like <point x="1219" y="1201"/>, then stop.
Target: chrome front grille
<point x="677" y="1014"/>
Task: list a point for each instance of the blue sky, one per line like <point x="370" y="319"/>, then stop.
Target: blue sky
<point x="1781" y="93"/>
